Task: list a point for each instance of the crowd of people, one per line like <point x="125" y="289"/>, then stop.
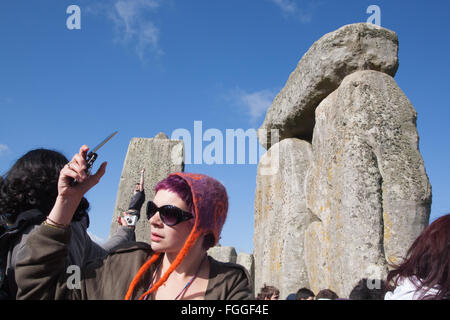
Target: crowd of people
<point x="362" y="291"/>
<point x="43" y="230"/>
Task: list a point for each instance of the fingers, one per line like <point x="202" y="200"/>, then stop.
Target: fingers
<point x="78" y="163"/>
<point x="83" y="151"/>
<point x="68" y="172"/>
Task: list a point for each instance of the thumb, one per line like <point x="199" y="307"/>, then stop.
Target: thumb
<point x="94" y="179"/>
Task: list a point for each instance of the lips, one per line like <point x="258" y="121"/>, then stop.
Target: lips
<point x="156" y="237"/>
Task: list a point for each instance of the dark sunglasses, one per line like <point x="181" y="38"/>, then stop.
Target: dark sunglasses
<point x="170" y="215"/>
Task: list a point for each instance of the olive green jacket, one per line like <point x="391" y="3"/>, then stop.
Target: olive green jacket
<point x="42" y="273"/>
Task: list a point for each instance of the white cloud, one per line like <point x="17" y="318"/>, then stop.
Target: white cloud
<point x="133" y="26"/>
<point x="287" y="6"/>
<point x="290" y="8"/>
<point x="4" y="149"/>
<point x="254" y="104"/>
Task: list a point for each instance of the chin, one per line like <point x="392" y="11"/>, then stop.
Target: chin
<point x="156" y="247"/>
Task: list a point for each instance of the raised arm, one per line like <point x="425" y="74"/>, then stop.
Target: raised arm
<point x="70" y="195"/>
<point x="141" y="182"/>
<point x="41" y="269"/>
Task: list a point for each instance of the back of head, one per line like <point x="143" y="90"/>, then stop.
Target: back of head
<point x="304" y="294"/>
<point x="267" y="292"/>
<point x="428" y="260"/>
<point x="210" y="203"/>
<point x="364" y="290"/>
<point x="32" y="183"/>
<point x="291" y="296"/>
<point x="326" y="294"/>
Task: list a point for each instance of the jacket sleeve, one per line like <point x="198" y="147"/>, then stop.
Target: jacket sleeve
<point x="41" y="267"/>
<point x="121" y="236"/>
<point x="42" y="271"/>
<point x="137" y="200"/>
<point x="241" y="288"/>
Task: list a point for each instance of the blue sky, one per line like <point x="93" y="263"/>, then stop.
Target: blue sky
<point x="145" y="66"/>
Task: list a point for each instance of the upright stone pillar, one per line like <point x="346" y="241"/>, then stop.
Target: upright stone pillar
<point x="367" y="184"/>
<point x="159" y="156"/>
<point x="281" y="217"/>
<point x="246" y="260"/>
<point x="223" y="254"/>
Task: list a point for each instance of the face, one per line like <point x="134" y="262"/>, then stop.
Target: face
<point x="165" y="238"/>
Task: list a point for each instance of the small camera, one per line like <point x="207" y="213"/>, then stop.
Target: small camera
<point x="131" y="220"/>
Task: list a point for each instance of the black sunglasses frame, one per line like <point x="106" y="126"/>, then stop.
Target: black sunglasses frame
<point x="180" y="215"/>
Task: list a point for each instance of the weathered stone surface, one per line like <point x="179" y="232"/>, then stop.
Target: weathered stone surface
<point x="367" y="184"/>
<point x="160" y="157"/>
<point x="248" y="262"/>
<point x="161" y="135"/>
<point x="281" y="217"/>
<point x="224" y="254"/>
<point x="360" y="46"/>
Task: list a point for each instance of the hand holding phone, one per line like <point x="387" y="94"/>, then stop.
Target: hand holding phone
<point x="92" y="156"/>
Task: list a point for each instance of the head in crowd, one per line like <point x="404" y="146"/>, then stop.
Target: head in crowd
<point x="268" y="293"/>
<point x="427" y="261"/>
<point x="326" y="294"/>
<point x="202" y="201"/>
<point x="291" y="296"/>
<point x="304" y="294"/>
<point x="368" y="289"/>
<point x="32" y="183"/>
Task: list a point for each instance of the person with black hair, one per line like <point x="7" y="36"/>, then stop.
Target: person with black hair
<point x="326" y="294"/>
<point x="304" y="294"/>
<point x="28" y="192"/>
<point x="366" y="289"/>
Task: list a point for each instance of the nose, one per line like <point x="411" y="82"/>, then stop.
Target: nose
<point x="156" y="220"/>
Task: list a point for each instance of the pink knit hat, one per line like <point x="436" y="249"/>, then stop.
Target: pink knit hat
<point x="210" y="203"/>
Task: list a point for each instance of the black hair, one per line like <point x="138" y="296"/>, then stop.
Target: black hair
<point x="304" y="293"/>
<point x="208" y="241"/>
<point x="327" y="294"/>
<point x="32" y="183"/>
<point x="363" y="290"/>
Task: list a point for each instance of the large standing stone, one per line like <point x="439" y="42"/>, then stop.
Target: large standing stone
<point x="223" y="254"/>
<point x="281" y="217"/>
<point x="367" y="184"/>
<point x="248" y="262"/>
<point x="160" y="157"/>
<point x="360" y="46"/>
